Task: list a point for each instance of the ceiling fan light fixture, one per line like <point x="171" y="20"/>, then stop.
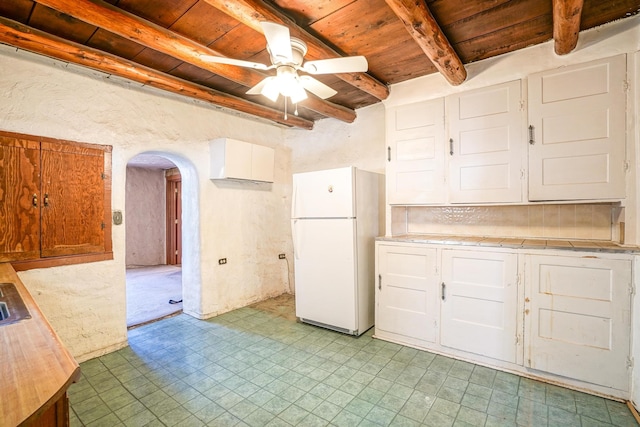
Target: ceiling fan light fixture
<point x="297" y="93"/>
<point x="271" y="89"/>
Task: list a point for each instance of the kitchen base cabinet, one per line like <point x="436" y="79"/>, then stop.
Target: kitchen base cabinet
<point x="550" y="314"/>
<point x="479" y="309"/>
<point x="577" y="314"/>
<point x="406" y="294"/>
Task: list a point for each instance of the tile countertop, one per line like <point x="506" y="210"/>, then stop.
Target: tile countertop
<point x="515" y="243"/>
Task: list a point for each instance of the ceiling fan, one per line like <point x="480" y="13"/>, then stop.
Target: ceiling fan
<point x="287" y="55"/>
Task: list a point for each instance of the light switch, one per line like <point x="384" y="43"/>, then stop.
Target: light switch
<point x="117" y="217"/>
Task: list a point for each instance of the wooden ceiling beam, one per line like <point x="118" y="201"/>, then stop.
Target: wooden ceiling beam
<point x="252" y="12"/>
<point x="27" y="38"/>
<point x="129" y="26"/>
<point x="566" y="24"/>
<point x="424" y="29"/>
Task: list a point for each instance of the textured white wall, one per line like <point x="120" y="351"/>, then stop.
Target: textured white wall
<point x="244" y="222"/>
<point x="145" y="227"/>
<point x="334" y="144"/>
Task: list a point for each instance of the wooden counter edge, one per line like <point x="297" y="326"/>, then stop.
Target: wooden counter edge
<point x="34" y="418"/>
<point x="8" y="274"/>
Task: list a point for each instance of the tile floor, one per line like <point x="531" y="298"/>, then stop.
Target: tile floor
<point x="253" y="367"/>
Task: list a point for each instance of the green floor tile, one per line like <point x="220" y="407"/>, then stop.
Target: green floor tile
<point x="252" y="368"/>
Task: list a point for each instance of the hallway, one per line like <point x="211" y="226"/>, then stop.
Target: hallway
<point x="149" y="292"/>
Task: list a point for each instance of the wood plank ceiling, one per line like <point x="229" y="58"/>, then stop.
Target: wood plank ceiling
<point x="160" y="43"/>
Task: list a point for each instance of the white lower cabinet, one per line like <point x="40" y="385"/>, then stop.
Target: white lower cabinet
<point x="577" y="316"/>
<point x="568" y="320"/>
<point x="407" y="293"/>
<point x="479" y="308"/>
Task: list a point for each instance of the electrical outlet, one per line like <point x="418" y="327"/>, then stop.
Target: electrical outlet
<point x="281" y="256"/>
<point x="222" y="261"/>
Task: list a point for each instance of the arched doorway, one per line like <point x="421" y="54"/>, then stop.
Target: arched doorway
<point x="159" y="165"/>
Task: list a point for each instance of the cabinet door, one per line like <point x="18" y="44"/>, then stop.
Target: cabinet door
<point x="406" y="295"/>
<point x="73" y="196"/>
<point x="262" y="163"/>
<point x="577" y="141"/>
<point x="578" y="318"/>
<point x="479" y="303"/>
<point x="415" y="153"/>
<point x="485" y="157"/>
<point x="19" y="199"/>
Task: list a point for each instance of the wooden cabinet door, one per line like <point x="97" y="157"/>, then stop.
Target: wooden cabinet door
<point x="407" y="293"/>
<point x="577" y="141"/>
<point x="486" y="144"/>
<point x="480" y="303"/>
<point x="19" y="199"/>
<point x="415" y="153"/>
<point x="578" y="318"/>
<point x="72" y="200"/>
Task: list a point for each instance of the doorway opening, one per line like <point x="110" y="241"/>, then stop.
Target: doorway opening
<point x="154" y="211"/>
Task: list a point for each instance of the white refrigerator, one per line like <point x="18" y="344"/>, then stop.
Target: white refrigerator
<point x="334" y="222"/>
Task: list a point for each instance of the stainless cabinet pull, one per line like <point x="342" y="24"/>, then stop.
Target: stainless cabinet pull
<point x="532" y="138"/>
<point x="443" y="289"/>
<point x="388" y="154"/>
<point x="451" y="146"/>
<point x="379" y="282"/>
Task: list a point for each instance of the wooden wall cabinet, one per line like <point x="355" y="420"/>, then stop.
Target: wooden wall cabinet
<point x="56" y="201"/>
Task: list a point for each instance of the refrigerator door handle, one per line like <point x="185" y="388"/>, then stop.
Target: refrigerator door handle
<point x="295" y="240"/>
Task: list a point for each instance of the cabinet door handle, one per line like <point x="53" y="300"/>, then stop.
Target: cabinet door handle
<point x="443" y="286"/>
<point x="46" y="199"/>
<point x="379" y="282"/>
<point x="451" y="146"/>
<point x="388" y="154"/>
<point x="532" y="136"/>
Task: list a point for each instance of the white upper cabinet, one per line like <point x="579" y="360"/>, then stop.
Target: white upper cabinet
<point x="577" y="132"/>
<point x="415" y="153"/>
<point x="233" y="159"/>
<point x="486" y="144"/>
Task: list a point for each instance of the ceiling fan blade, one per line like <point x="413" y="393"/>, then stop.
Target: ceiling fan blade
<point x="349" y="64"/>
<point x="317" y="87"/>
<point x="231" y="61"/>
<point x="278" y="41"/>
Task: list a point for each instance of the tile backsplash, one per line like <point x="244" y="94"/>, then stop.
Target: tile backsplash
<point x="575" y="221"/>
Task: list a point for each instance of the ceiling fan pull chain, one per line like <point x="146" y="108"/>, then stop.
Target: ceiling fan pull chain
<point x="296" y="111"/>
